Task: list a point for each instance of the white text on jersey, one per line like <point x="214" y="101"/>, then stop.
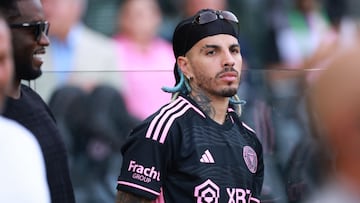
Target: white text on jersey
<point x="142" y="173"/>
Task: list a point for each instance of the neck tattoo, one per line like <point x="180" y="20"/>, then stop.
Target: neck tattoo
<point x="204" y="103"/>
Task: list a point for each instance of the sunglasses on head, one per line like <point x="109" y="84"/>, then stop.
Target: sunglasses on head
<point x="211" y="15"/>
<point x="208" y="16"/>
<point x="39" y="28"/>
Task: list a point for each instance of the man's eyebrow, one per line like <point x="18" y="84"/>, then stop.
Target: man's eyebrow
<point x="209" y="46"/>
<point x="235" y="46"/>
<point x="214" y="46"/>
<point x="206" y="46"/>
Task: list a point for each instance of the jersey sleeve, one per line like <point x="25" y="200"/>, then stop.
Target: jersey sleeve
<point x="259" y="176"/>
<point x="144" y="164"/>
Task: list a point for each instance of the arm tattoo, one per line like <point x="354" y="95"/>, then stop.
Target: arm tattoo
<point x="124" y="197"/>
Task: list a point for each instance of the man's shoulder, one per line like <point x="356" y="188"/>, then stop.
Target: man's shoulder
<point x="27" y="91"/>
<point x="179" y="108"/>
<point x="169" y="118"/>
<point x="27" y="99"/>
<point x="247" y="128"/>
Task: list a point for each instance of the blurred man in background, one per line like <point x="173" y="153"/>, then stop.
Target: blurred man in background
<point x="77" y="55"/>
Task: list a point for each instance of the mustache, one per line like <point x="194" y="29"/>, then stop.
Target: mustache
<point x="226" y="70"/>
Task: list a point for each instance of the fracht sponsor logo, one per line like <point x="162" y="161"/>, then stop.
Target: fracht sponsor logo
<point x="144" y="174"/>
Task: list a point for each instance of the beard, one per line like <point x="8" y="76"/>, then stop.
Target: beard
<point x="224" y="92"/>
<point x="229" y="92"/>
<point x="26" y="71"/>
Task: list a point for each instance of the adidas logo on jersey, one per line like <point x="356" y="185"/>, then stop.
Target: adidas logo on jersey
<point x="207" y="158"/>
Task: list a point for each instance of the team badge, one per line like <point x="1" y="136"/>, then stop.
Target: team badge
<point x="250" y="158"/>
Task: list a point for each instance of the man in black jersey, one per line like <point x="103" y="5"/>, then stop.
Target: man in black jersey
<point x="196" y="148"/>
<point x="29" y="38"/>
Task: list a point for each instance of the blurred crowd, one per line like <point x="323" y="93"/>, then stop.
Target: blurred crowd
<point x="108" y="60"/>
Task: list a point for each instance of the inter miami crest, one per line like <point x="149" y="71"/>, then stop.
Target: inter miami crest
<point x="250" y="158"/>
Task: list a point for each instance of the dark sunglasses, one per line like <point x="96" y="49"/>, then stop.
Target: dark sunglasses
<point x="211" y="15"/>
<point x="208" y="16"/>
<point x="39" y="28"/>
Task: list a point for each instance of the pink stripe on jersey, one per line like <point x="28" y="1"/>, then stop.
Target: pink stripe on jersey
<point x="231" y="110"/>
<point x="195" y="108"/>
<point x="171" y="120"/>
<point x="138" y="187"/>
<point x="154" y="121"/>
<point x="166" y="117"/>
<point x="246" y="126"/>
<point x="160" y="198"/>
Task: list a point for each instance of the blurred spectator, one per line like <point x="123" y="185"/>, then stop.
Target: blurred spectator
<point x="146" y="59"/>
<point x="101" y="15"/>
<point x="22" y="164"/>
<point x="335" y="102"/>
<point x="21" y="159"/>
<point x="6" y="61"/>
<point x="77" y="55"/>
<point x="296" y="30"/>
<point x="59" y="103"/>
<point x="295" y="41"/>
<point x="95" y="124"/>
<point x="296" y="152"/>
<point x="294" y="36"/>
<point x="191" y="7"/>
<point x="297" y="33"/>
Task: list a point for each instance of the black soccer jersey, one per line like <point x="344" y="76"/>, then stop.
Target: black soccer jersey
<point x="182" y="155"/>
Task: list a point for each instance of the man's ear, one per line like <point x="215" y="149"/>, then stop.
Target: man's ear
<point x="183" y="64"/>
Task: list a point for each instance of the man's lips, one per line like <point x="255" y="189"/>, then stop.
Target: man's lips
<point x="229" y="76"/>
<point x="38" y="54"/>
<point x="38" y="58"/>
<point x="39" y="51"/>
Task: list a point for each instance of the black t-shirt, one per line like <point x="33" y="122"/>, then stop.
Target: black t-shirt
<point x="32" y="112"/>
<point x="182" y="155"/>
